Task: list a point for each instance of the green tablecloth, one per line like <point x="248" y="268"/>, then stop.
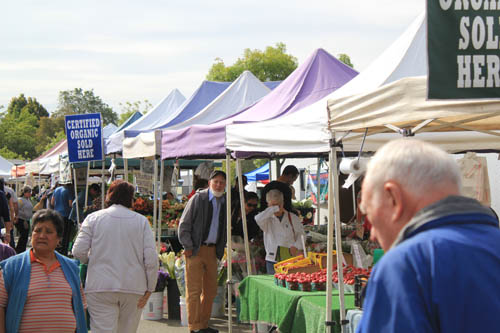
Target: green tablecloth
<point x="292" y="311"/>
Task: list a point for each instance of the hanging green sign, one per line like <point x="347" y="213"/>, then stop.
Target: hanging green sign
<point x="463" y="49"/>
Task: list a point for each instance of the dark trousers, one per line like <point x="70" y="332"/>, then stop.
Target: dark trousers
<point x="68" y="230"/>
<point x="12" y="243"/>
<point x="23" y="235"/>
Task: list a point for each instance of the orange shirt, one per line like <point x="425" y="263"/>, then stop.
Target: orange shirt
<point x="48" y="306"/>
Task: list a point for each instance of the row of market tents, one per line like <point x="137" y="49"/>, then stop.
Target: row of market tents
<point x="321" y="104"/>
<point x="195" y="127"/>
<point x="250" y="117"/>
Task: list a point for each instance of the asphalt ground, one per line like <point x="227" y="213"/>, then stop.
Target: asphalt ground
<point x="174" y="326"/>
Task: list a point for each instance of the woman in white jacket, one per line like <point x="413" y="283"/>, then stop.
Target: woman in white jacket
<point x="280" y="227"/>
<point x="119" y="246"/>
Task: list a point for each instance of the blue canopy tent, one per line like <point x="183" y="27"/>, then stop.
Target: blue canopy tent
<point x="261" y="173"/>
<point x="129" y="121"/>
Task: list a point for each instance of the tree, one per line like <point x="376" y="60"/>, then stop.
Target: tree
<point x="273" y="64"/>
<point x="78" y="101"/>
<point x="345" y="59"/>
<point x="18" y="134"/>
<point x="17" y="104"/>
<point x="129" y="108"/>
<point x="49" y="130"/>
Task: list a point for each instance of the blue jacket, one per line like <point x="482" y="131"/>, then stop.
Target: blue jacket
<point x="442" y="275"/>
<point x="16" y="273"/>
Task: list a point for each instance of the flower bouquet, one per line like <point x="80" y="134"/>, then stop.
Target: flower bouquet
<point x="305" y="210"/>
<point x="161" y="283"/>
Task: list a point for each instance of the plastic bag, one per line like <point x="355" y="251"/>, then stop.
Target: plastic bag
<point x="180" y="266"/>
<point x="360" y="258"/>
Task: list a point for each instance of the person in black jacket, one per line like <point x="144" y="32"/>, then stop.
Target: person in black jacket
<point x="5" y="221"/>
<point x="251" y="202"/>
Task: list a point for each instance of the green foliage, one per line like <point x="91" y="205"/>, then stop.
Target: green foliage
<point x="52" y="141"/>
<point x="345" y="59"/>
<point x="10" y="155"/>
<point x="18" y="133"/>
<point x="273" y="64"/>
<point x="18" y="104"/>
<point x="49" y="131"/>
<point x="129" y="108"/>
<point x="78" y="101"/>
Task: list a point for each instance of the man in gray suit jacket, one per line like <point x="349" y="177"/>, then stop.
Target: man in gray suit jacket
<point x="202" y="233"/>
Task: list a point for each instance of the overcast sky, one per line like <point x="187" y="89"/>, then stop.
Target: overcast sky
<point x="136" y="50"/>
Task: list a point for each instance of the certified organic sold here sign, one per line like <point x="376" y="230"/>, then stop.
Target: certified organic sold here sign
<point x="84" y="134"/>
<point x="463" y="49"/>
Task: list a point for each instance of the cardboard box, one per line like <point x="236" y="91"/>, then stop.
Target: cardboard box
<point x="347" y="257"/>
<point x="307" y="269"/>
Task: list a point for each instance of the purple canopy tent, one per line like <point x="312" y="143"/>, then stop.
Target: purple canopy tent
<point x="317" y="77"/>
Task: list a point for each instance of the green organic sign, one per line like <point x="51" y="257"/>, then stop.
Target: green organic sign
<point x="463" y="49"/>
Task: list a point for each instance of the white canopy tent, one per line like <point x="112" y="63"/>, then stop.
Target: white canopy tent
<point x="307" y="129"/>
<point x="163" y="111"/>
<point x="242" y="93"/>
<point x="48" y="162"/>
<point x="401" y="107"/>
<point x="5" y="167"/>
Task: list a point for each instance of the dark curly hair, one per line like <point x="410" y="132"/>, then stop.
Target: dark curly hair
<point x="120" y="193"/>
<point x="49" y="215"/>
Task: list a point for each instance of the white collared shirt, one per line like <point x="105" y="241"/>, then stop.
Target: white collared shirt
<point x="279" y="233"/>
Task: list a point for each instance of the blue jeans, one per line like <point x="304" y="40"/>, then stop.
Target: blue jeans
<point x="270" y="267"/>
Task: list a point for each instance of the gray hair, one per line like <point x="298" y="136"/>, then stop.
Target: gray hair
<point x="274" y="196"/>
<point x="416" y="165"/>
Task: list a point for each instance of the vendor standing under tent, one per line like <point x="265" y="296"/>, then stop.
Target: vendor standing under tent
<point x="282" y="229"/>
<point x="440" y="272"/>
<point x="251" y="202"/>
<point x="284" y="185"/>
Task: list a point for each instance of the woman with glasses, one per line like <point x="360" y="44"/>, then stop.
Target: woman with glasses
<point x="251" y="202"/>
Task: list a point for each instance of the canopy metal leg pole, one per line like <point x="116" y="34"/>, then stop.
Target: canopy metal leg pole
<point x="87" y="185"/>
<point x="229" y="253"/>
<point x="354" y="198"/>
<point x="338" y="234"/>
<point x="329" y="248"/>
<point x="125" y="169"/>
<point x="318" y="192"/>
<point x="76" y="198"/>
<point x="243" y="216"/>
<point x="155" y="200"/>
<point x="270" y="170"/>
<point x="103" y="185"/>
<point x="160" y="210"/>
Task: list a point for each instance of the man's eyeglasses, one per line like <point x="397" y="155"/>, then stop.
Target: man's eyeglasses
<point x="252" y="205"/>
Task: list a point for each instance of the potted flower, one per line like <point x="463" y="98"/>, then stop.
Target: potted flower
<point x="154" y="308"/>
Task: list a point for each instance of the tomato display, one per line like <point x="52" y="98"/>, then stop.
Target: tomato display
<point x="317" y="281"/>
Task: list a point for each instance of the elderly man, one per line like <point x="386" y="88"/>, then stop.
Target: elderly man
<point x="440" y="272"/>
<point x="202" y="233"/>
